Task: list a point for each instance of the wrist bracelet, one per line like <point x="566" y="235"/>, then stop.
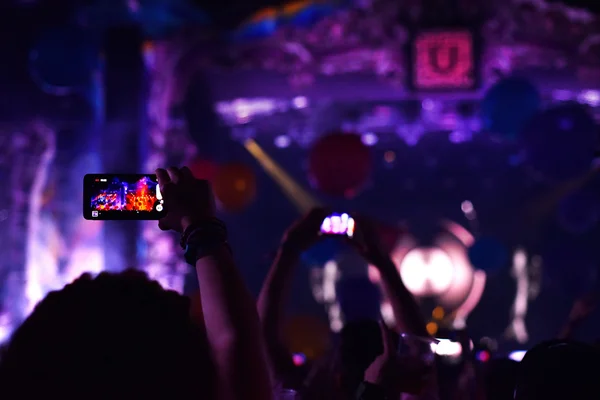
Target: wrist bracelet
<point x="201" y="240"/>
<point x="213" y="226"/>
<point x="194" y="252"/>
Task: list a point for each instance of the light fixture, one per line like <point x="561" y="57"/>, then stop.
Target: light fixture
<point x="369" y="139"/>
<point x="283" y="141"/>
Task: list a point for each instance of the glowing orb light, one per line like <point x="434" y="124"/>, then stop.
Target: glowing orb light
<point x="427" y="271"/>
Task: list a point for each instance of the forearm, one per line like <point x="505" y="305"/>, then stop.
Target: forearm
<point x="568" y="330"/>
<point x="271" y="305"/>
<point x="406" y="310"/>
<point x="232" y="328"/>
<point x="275" y="291"/>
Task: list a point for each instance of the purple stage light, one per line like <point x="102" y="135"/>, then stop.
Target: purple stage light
<point x="300" y="102"/>
<point x="369" y="139"/>
<point x="283" y="141"/>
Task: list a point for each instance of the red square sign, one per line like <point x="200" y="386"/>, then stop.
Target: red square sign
<point x="444" y="60"/>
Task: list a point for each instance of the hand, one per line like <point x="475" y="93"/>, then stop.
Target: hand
<point x="366" y="240"/>
<point x="188" y="200"/>
<point x="304" y="232"/>
<point x="378" y="373"/>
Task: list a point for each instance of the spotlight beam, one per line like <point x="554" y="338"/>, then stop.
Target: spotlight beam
<point x="303" y="200"/>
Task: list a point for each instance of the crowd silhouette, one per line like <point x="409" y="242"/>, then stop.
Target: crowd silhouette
<point x="121" y="335"/>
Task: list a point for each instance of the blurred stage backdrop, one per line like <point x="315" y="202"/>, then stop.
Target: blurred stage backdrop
<point x="469" y="135"/>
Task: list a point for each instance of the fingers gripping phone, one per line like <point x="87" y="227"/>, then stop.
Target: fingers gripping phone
<point x="338" y="224"/>
<point x="122" y="197"/>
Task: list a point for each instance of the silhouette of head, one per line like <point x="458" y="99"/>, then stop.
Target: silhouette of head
<point x="559" y="370"/>
<point x="113" y="336"/>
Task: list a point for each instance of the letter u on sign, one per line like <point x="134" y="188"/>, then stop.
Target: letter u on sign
<point x="444" y="60"/>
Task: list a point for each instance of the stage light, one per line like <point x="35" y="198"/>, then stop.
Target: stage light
<point x="467" y="207"/>
<point x="283" y="141"/>
<point x="438" y="313"/>
<point x="432" y="328"/>
<point x="483" y="356"/>
<point x="369" y="139"/>
<point x="299" y="359"/>
<point x="448" y="348"/>
<point x="300" y="102"/>
<point x="427" y="271"/>
<point x="297" y="195"/>
<point x="590" y="97"/>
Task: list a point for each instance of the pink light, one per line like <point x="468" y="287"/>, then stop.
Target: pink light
<point x="483" y="356"/>
<point x="467" y="207"/>
<point x="444" y="60"/>
<point x="298" y="359"/>
<point x="465" y="237"/>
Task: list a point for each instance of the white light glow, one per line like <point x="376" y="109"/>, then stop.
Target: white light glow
<point x="517" y="328"/>
<point x="283" y="141"/>
<point x="517" y="355"/>
<point x="387" y="313"/>
<point x="427" y="271"/>
<point x="330" y="276"/>
<point x="369" y="139"/>
<point x="467" y="207"/>
<point x="373" y="273"/>
<point x="447" y="348"/>
<point x="300" y="102"/>
<point x="590" y="97"/>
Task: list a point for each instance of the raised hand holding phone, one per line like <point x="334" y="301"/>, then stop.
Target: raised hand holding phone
<point x="304" y="232"/>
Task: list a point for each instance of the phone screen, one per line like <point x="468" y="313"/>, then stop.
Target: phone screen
<point x="338" y="224"/>
<point x="122" y="197"/>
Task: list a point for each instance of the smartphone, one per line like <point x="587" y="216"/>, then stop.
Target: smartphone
<point x="122" y="197"/>
<point x="338" y="224"/>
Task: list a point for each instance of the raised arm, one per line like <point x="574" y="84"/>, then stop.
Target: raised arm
<point x="229" y="310"/>
<point x="275" y="293"/>
<point x="406" y="310"/>
<point x="582" y="308"/>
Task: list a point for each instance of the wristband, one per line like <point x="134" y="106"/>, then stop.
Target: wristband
<point x="370" y="391"/>
<point x="194" y="252"/>
<point x="201" y="240"/>
<point x="209" y="227"/>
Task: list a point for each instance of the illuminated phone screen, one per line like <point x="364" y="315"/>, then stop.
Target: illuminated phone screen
<point x="122" y="197"/>
<point x="338" y="224"/>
